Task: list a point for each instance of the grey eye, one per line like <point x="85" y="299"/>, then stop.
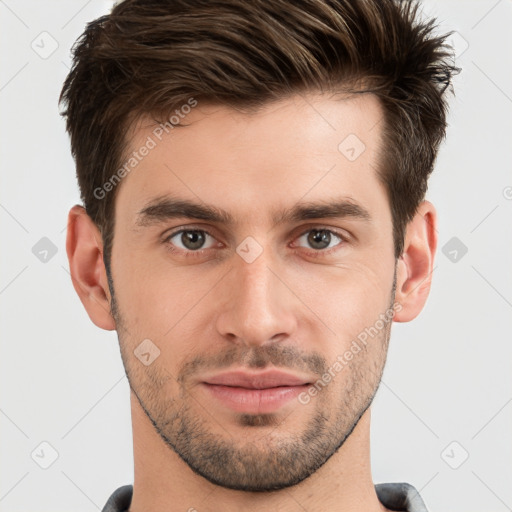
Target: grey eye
<point x="191" y="239"/>
<point x="320" y="238"/>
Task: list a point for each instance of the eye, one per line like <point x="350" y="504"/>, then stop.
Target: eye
<point x="321" y="239"/>
<point x="191" y="239"/>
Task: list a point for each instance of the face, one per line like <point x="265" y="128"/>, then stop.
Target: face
<point x="252" y="283"/>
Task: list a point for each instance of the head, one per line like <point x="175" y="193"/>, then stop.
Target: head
<point x="253" y="177"/>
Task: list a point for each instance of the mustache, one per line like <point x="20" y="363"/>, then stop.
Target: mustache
<point x="280" y="356"/>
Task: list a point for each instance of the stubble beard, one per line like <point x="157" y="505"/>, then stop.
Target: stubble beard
<point x="279" y="458"/>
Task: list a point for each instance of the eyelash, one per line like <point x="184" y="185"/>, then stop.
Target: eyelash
<point x="200" y="252"/>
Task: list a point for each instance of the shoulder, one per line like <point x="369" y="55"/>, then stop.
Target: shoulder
<point x="119" y="500"/>
<point x="400" y="496"/>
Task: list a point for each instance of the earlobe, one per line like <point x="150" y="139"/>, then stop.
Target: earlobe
<point x="84" y="248"/>
<point x="415" y="266"/>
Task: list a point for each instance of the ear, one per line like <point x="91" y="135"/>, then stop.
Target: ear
<point x="84" y="247"/>
<point x="415" y="265"/>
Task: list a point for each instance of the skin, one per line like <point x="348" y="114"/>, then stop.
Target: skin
<point x="295" y="306"/>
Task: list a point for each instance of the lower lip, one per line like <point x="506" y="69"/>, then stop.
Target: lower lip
<point x="255" y="401"/>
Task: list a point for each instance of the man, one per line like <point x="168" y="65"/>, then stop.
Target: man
<point x="253" y="176"/>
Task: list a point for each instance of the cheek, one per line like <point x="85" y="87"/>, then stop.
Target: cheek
<point x="164" y="304"/>
<point x="347" y="300"/>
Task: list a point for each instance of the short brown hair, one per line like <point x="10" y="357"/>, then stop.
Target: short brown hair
<point x="149" y="57"/>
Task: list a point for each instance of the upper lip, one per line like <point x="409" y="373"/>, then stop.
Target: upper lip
<point x="261" y="380"/>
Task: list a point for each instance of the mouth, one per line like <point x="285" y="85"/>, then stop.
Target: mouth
<point x="255" y="393"/>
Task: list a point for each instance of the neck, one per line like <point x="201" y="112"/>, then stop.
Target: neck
<point x="164" y="482"/>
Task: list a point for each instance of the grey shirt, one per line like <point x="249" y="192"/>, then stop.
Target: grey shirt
<point x="395" y="496"/>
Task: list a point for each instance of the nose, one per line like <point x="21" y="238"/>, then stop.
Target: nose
<point x="257" y="308"/>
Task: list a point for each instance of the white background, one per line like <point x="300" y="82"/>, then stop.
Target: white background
<point x="448" y="376"/>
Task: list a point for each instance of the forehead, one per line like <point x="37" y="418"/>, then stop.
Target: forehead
<point x="307" y="146"/>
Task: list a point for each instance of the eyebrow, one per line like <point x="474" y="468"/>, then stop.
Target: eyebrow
<point x="163" y="208"/>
